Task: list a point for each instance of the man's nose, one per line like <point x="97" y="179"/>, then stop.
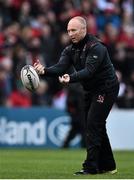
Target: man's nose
<point x="70" y="34"/>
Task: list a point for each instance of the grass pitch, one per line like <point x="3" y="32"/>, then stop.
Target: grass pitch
<point x="57" y="164"/>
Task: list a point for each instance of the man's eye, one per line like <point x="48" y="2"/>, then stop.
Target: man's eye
<point x="72" y="30"/>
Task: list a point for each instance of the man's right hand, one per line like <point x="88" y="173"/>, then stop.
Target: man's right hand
<point x="40" y="69"/>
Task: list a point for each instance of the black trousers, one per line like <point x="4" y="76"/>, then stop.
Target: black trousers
<point x="99" y="152"/>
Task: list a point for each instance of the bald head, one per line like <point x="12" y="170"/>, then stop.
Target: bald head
<point x="80" y="20"/>
<point x="77" y="29"/>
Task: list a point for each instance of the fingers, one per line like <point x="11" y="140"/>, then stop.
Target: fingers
<point x="65" y="76"/>
<point x="39" y="67"/>
<point x="60" y="79"/>
<point x="37" y="62"/>
<point x="64" y="79"/>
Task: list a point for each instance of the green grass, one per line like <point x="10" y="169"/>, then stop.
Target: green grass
<point x="56" y="164"/>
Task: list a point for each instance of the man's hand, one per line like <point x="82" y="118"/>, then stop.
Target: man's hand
<point x="64" y="79"/>
<point x="40" y="69"/>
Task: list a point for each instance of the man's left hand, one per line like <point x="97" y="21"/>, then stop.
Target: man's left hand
<point x="64" y="79"/>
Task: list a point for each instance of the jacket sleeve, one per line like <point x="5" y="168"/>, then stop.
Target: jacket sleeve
<point x="61" y="67"/>
<point x="93" y="60"/>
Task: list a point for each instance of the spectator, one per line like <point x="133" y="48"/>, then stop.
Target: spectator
<point x="42" y="97"/>
<point x="74" y="108"/>
<point x="19" y="98"/>
<point x="3" y="85"/>
<point x="26" y="25"/>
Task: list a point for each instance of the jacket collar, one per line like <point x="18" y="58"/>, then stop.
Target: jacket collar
<point x="81" y="43"/>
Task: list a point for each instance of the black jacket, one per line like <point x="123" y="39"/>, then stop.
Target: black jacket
<point x="92" y="64"/>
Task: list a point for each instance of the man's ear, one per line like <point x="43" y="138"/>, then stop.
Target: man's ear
<point x="84" y="30"/>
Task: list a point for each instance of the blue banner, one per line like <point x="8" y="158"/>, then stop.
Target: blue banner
<point x="34" y="127"/>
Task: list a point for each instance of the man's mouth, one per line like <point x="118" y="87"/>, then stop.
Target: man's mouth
<point x="73" y="39"/>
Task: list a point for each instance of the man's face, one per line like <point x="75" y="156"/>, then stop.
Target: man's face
<point x="76" y="30"/>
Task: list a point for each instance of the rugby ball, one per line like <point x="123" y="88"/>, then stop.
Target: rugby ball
<point x="29" y="78"/>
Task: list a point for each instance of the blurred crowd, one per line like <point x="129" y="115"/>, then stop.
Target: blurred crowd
<point x="36" y="29"/>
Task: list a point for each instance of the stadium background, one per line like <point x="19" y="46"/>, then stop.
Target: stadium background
<point x="36" y="29"/>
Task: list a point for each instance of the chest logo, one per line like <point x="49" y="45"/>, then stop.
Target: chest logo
<point x="100" y="98"/>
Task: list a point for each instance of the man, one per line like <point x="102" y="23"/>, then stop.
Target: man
<point x="94" y="70"/>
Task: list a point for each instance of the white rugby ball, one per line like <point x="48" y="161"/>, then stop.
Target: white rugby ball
<point x="30" y="78"/>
